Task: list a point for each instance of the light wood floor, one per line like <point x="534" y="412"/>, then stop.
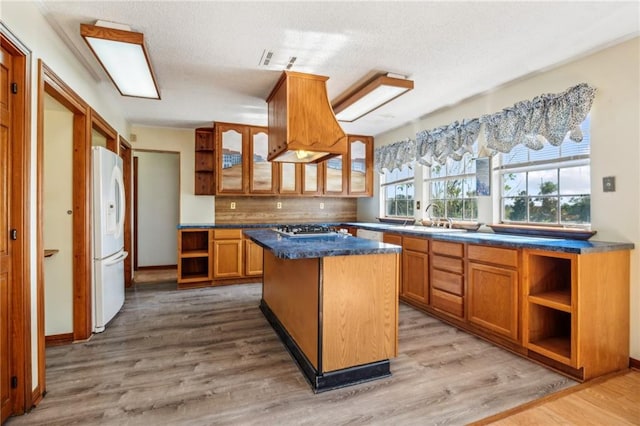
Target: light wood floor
<point x="208" y="356"/>
<point x="153" y="276"/>
<point x="612" y="400"/>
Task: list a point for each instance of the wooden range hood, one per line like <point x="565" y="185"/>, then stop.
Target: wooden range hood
<point x="302" y="125"/>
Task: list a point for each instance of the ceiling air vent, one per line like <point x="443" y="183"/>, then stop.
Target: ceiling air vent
<point x="278" y="61"/>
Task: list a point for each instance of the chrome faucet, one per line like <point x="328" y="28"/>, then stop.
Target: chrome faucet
<point x="433" y="206"/>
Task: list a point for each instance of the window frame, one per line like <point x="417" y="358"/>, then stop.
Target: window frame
<point x="446" y="179"/>
<point x="555" y="164"/>
<point x="397" y="182"/>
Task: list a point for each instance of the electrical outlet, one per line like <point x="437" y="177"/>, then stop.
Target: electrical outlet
<point x="321" y="206"/>
<point x="278" y="205"/>
<point x="609" y="184"/>
<point x="233" y="205"/>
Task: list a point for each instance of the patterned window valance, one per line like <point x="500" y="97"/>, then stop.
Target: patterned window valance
<point x="451" y="141"/>
<point x="547" y="117"/>
<point x="395" y="156"/>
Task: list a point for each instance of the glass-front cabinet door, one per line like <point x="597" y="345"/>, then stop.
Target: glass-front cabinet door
<point x="360" y="165"/>
<point x="261" y="171"/>
<point x="231" y="158"/>
<point x="289" y="178"/>
<point x="312" y="179"/>
<point x="334" y="176"/>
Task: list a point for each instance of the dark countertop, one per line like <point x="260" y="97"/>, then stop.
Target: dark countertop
<point x="503" y="240"/>
<point x="224" y="225"/>
<point x="310" y="247"/>
<point x="488" y="238"/>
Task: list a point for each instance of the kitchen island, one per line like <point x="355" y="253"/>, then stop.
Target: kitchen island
<point x="333" y="300"/>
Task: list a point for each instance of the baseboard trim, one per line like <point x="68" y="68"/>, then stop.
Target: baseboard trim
<point x="634" y="363"/>
<point x="154" y="267"/>
<point x="58" y="339"/>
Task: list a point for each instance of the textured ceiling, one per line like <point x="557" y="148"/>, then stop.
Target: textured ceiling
<point x="206" y="55"/>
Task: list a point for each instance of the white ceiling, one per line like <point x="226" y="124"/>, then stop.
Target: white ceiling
<point x="206" y="54"/>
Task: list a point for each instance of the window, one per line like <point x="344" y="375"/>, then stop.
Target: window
<point x="398" y="190"/>
<point x="549" y="186"/>
<point x="452" y="188"/>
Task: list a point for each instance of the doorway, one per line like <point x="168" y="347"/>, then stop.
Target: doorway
<point x="57" y="221"/>
<point x="156" y="209"/>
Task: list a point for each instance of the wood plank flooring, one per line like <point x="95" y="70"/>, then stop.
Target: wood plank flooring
<point x="207" y="356"/>
<point x="611" y="400"/>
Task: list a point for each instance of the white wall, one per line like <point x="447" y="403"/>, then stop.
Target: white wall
<point x="57" y="197"/>
<point x="615" y="144"/>
<point x="26" y="22"/>
<point x="158" y="207"/>
<point x="193" y="208"/>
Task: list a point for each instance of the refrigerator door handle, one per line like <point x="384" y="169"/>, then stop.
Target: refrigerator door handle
<point x="123" y="255"/>
<point x="119" y="181"/>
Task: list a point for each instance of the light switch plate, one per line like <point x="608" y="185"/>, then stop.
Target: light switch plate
<point x="609" y="184"/>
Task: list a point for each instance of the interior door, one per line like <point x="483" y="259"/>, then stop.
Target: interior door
<point x="5" y="243"/>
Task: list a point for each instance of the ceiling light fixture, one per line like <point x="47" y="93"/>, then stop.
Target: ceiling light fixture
<point x="123" y="56"/>
<point x="371" y="96"/>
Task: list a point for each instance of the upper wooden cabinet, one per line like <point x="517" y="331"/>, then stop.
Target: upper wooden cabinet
<point x="301" y="118"/>
<point x="351" y="174"/>
<point x="204" y="162"/>
<point x="262" y="173"/>
<point x="360" y="173"/>
<point x="231" y="159"/>
<point x="241" y="160"/>
<point x="232" y="143"/>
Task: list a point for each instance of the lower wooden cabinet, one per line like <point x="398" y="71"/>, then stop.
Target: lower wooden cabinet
<point x="447" y="278"/>
<point x="493" y="288"/>
<point x="227" y="253"/>
<point x="492" y="299"/>
<point x="217" y="256"/>
<point x="415" y="270"/>
<point x="569" y="311"/>
<point x="252" y="259"/>
<point x="194" y="251"/>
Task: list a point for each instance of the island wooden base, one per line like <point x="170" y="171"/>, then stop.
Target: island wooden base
<point x="321" y="382"/>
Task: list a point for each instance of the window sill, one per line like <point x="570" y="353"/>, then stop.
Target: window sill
<point x="543" y="231"/>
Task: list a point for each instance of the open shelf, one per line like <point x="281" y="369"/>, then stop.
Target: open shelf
<point x="550" y="332"/>
<point x="194" y="268"/>
<point x="550" y="277"/>
<point x="194" y="241"/>
<point x="556" y="299"/>
<point x="204" y="183"/>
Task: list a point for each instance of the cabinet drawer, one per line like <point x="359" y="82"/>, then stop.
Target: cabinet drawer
<point x="447" y="302"/>
<point x="450" y="264"/>
<point x="453" y="283"/>
<point x="449" y="249"/>
<point x="227" y="234"/>
<point x="392" y="239"/>
<point x="415" y="244"/>
<point x="499" y="256"/>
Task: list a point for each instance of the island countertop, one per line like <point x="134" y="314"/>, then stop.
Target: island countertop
<point x="285" y="247"/>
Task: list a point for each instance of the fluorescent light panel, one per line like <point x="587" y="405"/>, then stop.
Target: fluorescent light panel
<point x="371" y="96"/>
<point x="123" y="56"/>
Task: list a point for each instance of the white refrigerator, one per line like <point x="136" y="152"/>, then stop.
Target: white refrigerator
<point x="108" y="236"/>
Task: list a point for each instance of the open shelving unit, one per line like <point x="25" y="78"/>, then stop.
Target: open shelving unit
<point x="204" y="183"/>
<point x="194" y="250"/>
<point x="550" y="290"/>
<point x="576" y="310"/>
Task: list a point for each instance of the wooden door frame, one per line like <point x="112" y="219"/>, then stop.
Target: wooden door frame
<point x="124" y="150"/>
<point x="49" y="83"/>
<point x="135" y="197"/>
<point x="24" y="395"/>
